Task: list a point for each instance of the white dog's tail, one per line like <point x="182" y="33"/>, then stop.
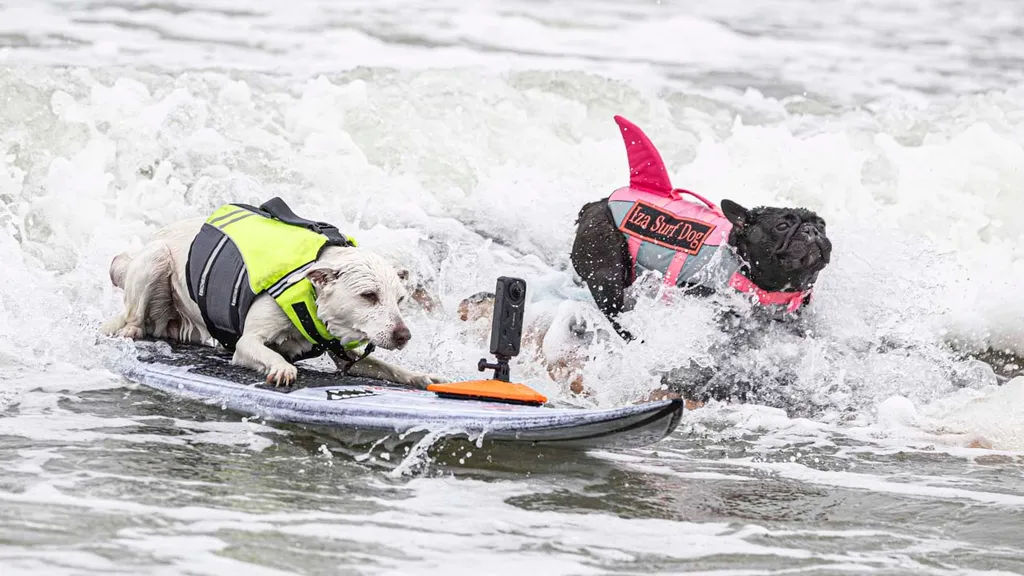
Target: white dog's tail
<point x="119" y="268"/>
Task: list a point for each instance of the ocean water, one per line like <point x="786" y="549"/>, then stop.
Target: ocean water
<point x="460" y="139"/>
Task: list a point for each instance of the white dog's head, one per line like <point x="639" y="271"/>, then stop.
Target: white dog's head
<point x="358" y="295"/>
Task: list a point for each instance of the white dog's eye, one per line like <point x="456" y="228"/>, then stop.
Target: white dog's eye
<point x="370" y="297"/>
<point x="402" y="299"/>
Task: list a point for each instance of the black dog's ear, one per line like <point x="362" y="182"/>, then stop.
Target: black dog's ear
<point x="738" y="215"/>
<point x="321" y="277"/>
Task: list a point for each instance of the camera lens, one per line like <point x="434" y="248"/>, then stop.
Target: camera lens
<point x="515" y="292"/>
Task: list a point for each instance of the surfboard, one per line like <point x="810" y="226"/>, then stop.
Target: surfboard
<point x="369" y="409"/>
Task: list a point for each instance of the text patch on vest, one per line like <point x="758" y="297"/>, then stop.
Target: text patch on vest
<point x="664" y="228"/>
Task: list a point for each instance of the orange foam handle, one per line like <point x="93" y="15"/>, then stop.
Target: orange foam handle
<point x="490" y="389"/>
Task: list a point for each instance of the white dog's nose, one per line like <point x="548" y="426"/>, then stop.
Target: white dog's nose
<point x="401" y="335"/>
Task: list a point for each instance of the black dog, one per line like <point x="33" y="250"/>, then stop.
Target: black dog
<point x="775" y="251"/>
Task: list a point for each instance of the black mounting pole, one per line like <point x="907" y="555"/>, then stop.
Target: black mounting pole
<point x="502" y="371"/>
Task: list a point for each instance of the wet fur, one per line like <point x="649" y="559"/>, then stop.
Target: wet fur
<point x="600" y="256"/>
<point x="157" y="304"/>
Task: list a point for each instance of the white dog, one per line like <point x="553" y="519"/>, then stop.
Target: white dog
<point x="357" y="298"/>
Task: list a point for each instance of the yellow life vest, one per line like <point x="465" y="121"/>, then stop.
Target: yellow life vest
<point x="242" y="251"/>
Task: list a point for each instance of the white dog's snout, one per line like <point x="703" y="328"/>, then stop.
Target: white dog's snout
<point x="401" y="334"/>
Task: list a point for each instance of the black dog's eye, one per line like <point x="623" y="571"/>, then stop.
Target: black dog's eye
<point x="370" y="297"/>
<point x="782" y="226"/>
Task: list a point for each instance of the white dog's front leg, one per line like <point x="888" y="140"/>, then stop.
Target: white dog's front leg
<point x="251" y="352"/>
<point x="371" y="367"/>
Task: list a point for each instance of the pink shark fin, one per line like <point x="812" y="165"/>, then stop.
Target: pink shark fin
<point x="646" y="168"/>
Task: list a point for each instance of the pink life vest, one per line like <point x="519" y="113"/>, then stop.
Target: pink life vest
<point x="687" y="242"/>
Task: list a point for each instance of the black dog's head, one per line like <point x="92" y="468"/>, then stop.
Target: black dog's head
<point x="785" y="248"/>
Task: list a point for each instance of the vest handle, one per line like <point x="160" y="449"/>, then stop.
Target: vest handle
<point x="679" y="191"/>
<point x="279" y="210"/>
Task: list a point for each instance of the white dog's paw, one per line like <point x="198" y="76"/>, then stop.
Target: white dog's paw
<point x="111" y="327"/>
<point x="578" y="323"/>
<point x="130" y="332"/>
<point x="423" y="380"/>
<point x="282" y="374"/>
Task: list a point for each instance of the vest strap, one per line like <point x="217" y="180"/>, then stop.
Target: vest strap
<point x="791" y="300"/>
<point x="342" y="353"/>
<point x="306" y="320"/>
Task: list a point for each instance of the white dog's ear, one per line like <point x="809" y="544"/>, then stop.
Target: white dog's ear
<point x="321" y="277"/>
<point x="403" y="274"/>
